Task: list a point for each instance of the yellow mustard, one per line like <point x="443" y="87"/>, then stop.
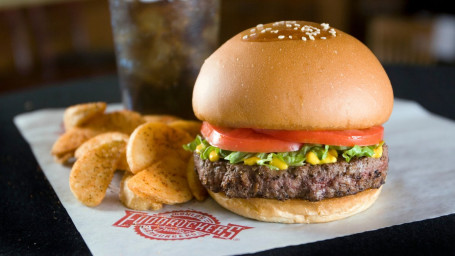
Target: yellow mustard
<point x="251" y="160"/>
<point x="377" y="152"/>
<point x="313" y="159"/>
<point x="278" y="163"/>
<point x="213" y="156"/>
<point x="200" y="148"/>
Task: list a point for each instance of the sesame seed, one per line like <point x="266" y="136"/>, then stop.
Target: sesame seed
<point x="296" y="28"/>
<point x="245" y="37"/>
<point x="253" y="34"/>
<point x="311" y="37"/>
<point x="259" y="25"/>
<point x="323" y="37"/>
<point x="253" y="30"/>
<point x="290" y="37"/>
<point x="303" y="38"/>
<point x="280" y="37"/>
<point x="306" y="29"/>
<point x="268" y="29"/>
<point x="297" y="24"/>
<point x="263" y="31"/>
<point x="288" y="25"/>
<point x="325" y="26"/>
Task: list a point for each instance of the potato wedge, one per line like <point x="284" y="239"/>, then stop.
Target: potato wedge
<point x="172" y="164"/>
<point x="64" y="147"/>
<point x="193" y="128"/>
<point x="160" y="118"/>
<point x="124" y="121"/>
<point x="194" y="183"/>
<point x="98" y="140"/>
<point x="81" y="113"/>
<point x="123" y="164"/>
<point x="63" y="158"/>
<point x="101" y="139"/>
<point x="152" y="142"/>
<point x="119" y="121"/>
<point x="93" y="172"/>
<point x="133" y="201"/>
<point x="160" y="185"/>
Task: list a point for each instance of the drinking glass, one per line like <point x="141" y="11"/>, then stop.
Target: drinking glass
<point x="160" y="46"/>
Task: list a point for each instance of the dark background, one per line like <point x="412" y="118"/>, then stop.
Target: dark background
<point x="46" y="41"/>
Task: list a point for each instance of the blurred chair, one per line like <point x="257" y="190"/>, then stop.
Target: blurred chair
<point x="401" y="40"/>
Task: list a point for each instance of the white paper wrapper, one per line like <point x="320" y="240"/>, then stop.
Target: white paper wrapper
<point x="419" y="186"/>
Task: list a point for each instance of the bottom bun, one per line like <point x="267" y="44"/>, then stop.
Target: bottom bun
<point x="298" y="211"/>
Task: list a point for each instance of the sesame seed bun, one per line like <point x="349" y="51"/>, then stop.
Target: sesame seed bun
<point x="293" y="76"/>
<point x="326" y="81"/>
<point x="299" y="211"/>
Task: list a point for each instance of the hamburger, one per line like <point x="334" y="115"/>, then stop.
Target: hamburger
<point x="292" y="130"/>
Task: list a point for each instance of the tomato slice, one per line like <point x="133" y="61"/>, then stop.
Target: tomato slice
<point x="363" y="137"/>
<point x="245" y="140"/>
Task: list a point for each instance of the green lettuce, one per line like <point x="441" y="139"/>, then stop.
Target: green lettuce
<point x="293" y="158"/>
<point x="359" y="151"/>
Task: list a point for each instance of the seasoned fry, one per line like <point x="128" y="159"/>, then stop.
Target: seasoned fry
<point x="123" y="164"/>
<point x="160" y="185"/>
<point x="172" y="164"/>
<point x="160" y="118"/>
<point x="133" y="201"/>
<point x="98" y="140"/>
<point x="119" y="121"/>
<point x="194" y="183"/>
<point x="157" y="169"/>
<point x="193" y="128"/>
<point x="104" y="138"/>
<point x="64" y="147"/>
<point x="93" y="171"/>
<point x="124" y="121"/>
<point x="151" y="142"/>
<point x="81" y="113"/>
<point x="63" y="158"/>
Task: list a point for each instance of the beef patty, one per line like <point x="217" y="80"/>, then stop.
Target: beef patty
<point x="310" y="182"/>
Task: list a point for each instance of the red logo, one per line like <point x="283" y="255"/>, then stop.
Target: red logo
<point x="178" y="225"/>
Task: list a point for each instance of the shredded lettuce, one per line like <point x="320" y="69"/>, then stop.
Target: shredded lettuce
<point x="358" y="151"/>
<point x="293" y="158"/>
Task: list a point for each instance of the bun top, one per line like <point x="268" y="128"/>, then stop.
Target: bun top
<point x="293" y="75"/>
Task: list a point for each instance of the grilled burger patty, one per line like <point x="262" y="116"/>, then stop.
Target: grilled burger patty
<point x="309" y="182"/>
